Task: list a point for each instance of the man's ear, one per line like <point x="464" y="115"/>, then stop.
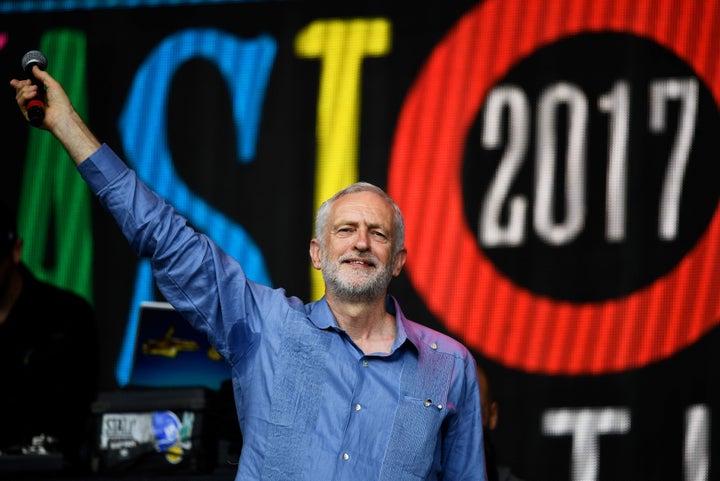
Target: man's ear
<point x="315" y="254"/>
<point x="399" y="262"/>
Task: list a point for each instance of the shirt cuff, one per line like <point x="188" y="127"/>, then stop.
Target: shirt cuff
<point x="101" y="168"/>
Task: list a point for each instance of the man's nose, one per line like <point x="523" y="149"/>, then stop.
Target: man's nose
<point x="362" y="242"/>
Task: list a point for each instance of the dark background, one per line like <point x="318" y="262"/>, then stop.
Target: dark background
<point x="272" y="197"/>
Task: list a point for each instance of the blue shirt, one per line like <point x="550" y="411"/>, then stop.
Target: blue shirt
<point x="311" y="405"/>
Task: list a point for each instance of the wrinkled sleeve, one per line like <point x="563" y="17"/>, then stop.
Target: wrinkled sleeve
<point x="190" y="270"/>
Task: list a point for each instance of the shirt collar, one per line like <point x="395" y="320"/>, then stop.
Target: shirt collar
<point x="322" y="317"/>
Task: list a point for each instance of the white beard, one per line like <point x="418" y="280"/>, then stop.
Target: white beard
<point x="358" y="286"/>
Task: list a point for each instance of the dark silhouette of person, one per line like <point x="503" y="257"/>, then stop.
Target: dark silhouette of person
<point x="490" y="416"/>
<point x="48" y="360"/>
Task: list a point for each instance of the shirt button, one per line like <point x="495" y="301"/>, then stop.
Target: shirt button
<point x="433" y="346"/>
<point x="365" y="363"/>
<point x="345" y="456"/>
<point x="358" y="407"/>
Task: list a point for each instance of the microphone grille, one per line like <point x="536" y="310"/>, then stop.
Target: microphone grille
<point x="34" y="57"/>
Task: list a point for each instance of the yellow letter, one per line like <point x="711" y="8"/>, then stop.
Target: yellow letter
<point x="342" y="45"/>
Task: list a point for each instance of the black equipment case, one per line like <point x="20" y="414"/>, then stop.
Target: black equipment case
<point x="163" y="430"/>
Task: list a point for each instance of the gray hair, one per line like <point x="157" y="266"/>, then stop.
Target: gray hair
<point x="323" y="213"/>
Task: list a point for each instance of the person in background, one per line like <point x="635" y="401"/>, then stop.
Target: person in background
<point x="490" y="415"/>
<point x="48" y="360"/>
<point x="345" y="388"/>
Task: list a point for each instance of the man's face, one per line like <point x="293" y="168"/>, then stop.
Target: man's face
<point x="357" y="261"/>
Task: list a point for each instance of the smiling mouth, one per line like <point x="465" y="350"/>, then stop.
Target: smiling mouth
<point x="359" y="262"/>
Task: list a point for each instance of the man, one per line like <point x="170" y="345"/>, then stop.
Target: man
<point x="490" y="414"/>
<point x="48" y="360"/>
<point x="342" y="389"/>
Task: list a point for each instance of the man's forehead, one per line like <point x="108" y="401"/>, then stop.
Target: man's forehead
<point x="361" y="201"/>
<point x="370" y="208"/>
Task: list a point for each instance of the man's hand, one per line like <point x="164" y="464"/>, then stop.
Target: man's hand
<point x="61" y="119"/>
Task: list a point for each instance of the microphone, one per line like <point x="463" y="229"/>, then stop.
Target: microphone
<point x="36" y="107"/>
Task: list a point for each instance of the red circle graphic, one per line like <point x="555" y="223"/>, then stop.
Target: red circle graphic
<point x="448" y="269"/>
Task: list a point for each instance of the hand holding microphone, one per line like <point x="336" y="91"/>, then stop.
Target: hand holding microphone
<point x="57" y="116"/>
<point x="36" y="106"/>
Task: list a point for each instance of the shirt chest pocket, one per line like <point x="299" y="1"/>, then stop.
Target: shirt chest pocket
<point x="420" y="419"/>
<point x="417" y="427"/>
<point x="415" y="438"/>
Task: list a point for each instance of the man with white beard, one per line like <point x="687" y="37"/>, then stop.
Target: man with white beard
<point x="345" y="388"/>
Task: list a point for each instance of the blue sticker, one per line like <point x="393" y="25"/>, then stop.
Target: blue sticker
<point x="166" y="427"/>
